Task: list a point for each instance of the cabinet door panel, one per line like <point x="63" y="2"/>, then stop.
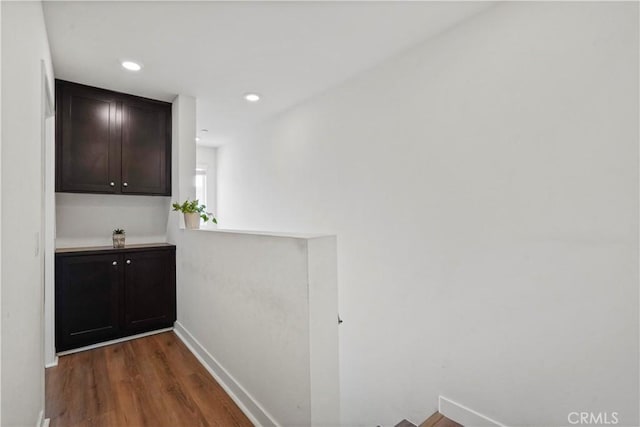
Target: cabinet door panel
<point x="149" y="290"/>
<point x="88" y="148"/>
<point x="86" y="299"/>
<point x="145" y="148"/>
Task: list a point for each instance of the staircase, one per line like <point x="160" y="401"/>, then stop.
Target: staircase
<point x="435" y="420"/>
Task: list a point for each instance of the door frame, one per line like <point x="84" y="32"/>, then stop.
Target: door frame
<point x="48" y="221"/>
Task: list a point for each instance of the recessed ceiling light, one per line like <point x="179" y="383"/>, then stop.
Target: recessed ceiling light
<point x="197" y="138"/>
<point x="252" y="97"/>
<point x="131" y="66"/>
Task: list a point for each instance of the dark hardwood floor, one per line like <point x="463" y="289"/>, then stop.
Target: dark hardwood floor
<point x="153" y="381"/>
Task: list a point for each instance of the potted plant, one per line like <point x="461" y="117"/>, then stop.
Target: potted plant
<point x="118" y="238"/>
<point x="193" y="211"/>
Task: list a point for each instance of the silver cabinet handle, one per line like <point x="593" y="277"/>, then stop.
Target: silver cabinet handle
<point x="128" y="261"/>
<point x="114" y="263"/>
<point x="113" y="184"/>
<point x="124" y="184"/>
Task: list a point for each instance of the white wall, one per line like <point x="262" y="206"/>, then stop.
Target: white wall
<point x="183" y="116"/>
<point x="183" y="163"/>
<point x="24" y="45"/>
<point x="260" y="310"/>
<point x="49" y="234"/>
<point x="484" y="190"/>
<point x="258" y="304"/>
<point x="89" y="219"/>
<point x="206" y="157"/>
<point x="1" y="136"/>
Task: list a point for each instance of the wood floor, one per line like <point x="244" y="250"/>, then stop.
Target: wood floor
<point x="435" y="420"/>
<point x="153" y="381"/>
<point x="439" y="420"/>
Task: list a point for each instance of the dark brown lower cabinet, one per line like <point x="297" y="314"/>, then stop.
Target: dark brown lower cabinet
<point x="146" y="306"/>
<point x="105" y="294"/>
<point x="87" y="292"/>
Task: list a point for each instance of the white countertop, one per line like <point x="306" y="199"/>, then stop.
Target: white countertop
<point x="265" y="233"/>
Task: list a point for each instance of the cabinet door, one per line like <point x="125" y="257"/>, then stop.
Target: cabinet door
<point x="149" y="290"/>
<point x="87" y="299"/>
<point x="146" y="147"/>
<point x="87" y="140"/>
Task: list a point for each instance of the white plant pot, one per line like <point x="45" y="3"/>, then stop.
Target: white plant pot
<point x="192" y="221"/>
<point x="118" y="241"/>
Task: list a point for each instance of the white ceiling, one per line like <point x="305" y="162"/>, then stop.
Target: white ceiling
<point x="217" y="51"/>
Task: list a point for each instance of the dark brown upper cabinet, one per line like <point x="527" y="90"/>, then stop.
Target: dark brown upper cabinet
<point x="110" y="142"/>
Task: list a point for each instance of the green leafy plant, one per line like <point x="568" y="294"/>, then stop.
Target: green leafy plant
<point x="118" y="231"/>
<point x="194" y="206"/>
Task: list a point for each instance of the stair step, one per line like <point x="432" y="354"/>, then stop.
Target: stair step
<point x="439" y="420"/>
<point x="405" y="423"/>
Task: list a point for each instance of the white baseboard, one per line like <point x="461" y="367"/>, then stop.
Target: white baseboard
<point x="52" y="364"/>
<point x="463" y="415"/>
<point x="247" y="404"/>
<point x="102" y="344"/>
<point x="42" y="421"/>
